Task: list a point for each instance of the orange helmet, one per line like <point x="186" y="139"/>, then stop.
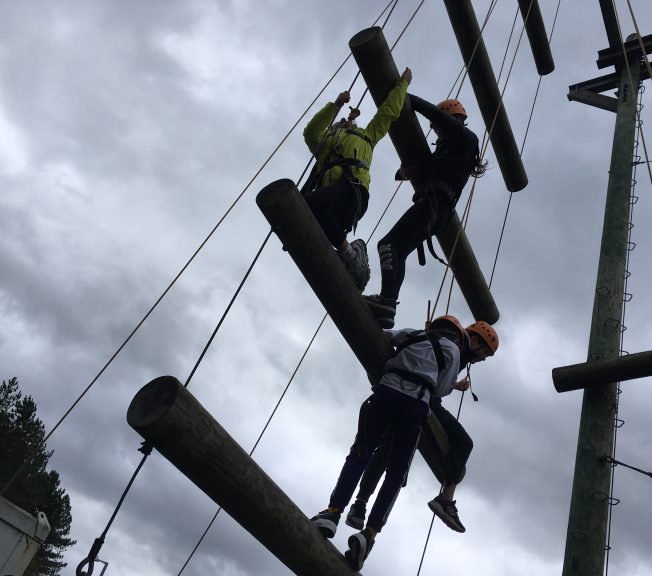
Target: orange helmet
<point x="486" y="333"/>
<point x="453" y="107"/>
<point x="451" y="322"/>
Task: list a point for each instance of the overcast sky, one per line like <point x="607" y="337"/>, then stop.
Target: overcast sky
<point x="126" y="131"/>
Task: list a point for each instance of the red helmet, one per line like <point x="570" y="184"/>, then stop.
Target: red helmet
<point x="486" y="333"/>
<point x="451" y="322"/>
<point x="453" y="106"/>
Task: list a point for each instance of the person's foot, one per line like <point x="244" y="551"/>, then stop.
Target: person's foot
<point x="327" y="522"/>
<point x="384" y="309"/>
<point x="360" y="545"/>
<point x="356" y="261"/>
<point x="355" y="517"/>
<point x="447" y="512"/>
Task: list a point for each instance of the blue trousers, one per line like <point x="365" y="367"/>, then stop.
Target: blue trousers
<point x="385" y="411"/>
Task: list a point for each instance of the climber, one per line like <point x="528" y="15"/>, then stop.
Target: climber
<point x="438" y="183"/>
<point x="425" y="365"/>
<point x="337" y="191"/>
<point x="483" y="342"/>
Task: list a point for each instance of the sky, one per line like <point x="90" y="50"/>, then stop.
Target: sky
<point x="128" y="129"/>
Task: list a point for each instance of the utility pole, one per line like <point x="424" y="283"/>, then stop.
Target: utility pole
<point x="589" y="508"/>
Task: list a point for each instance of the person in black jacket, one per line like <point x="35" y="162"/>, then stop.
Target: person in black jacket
<point x="439" y="183"/>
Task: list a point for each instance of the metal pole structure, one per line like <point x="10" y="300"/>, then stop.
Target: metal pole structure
<point x="589" y="509"/>
<point x="167" y="415"/>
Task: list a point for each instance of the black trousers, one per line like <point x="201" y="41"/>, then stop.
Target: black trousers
<point x="460" y="447"/>
<point x="386" y="409"/>
<point x="338" y="207"/>
<point x="425" y="218"/>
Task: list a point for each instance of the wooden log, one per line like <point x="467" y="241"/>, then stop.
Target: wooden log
<point x="600" y="372"/>
<point x="302" y="236"/>
<point x="379" y="71"/>
<point x="167" y="415"/>
<point x="536" y="33"/>
<point x="485" y="87"/>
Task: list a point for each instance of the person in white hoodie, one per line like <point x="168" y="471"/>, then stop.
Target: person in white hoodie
<point x="426" y="364"/>
<point x="483" y="342"/>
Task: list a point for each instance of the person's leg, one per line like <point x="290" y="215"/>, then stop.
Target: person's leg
<point x="394" y="248"/>
<point x="409" y="415"/>
<point x="335" y="207"/>
<point x="459" y="442"/>
<point x="371" y="426"/>
<point x="460" y="447"/>
<point x="372" y="474"/>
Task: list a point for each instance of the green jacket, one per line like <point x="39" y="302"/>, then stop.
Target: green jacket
<point x="351" y="143"/>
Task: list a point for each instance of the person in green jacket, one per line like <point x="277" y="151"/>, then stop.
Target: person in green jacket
<point x="338" y="189"/>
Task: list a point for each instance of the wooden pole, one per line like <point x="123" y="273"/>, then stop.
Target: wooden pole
<point x="167" y="415"/>
<point x="536" y="33"/>
<point x="483" y="80"/>
<point x="601" y="372"/>
<point x="589" y="509"/>
<point x="302" y="236"/>
<point x="379" y="71"/>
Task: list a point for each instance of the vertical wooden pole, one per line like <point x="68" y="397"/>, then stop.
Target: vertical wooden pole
<point x="589" y="510"/>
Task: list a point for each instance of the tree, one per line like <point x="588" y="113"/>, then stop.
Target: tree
<point x="22" y="437"/>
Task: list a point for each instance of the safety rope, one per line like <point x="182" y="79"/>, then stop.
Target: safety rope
<point x="174" y="280"/>
<point x="324" y="317"/>
<point x="260" y="436"/>
<point x="527" y="131"/>
<point x="483" y="149"/>
<point x="146" y="449"/>
<point x="91" y="558"/>
<point x="466" y="212"/>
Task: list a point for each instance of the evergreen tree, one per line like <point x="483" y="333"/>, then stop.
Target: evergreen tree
<point x="35" y="489"/>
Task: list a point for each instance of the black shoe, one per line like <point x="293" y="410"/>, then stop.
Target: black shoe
<point x="447" y="511"/>
<point x="384" y="309"/>
<point x="355" y="517"/>
<point x="360" y="545"/>
<point x="327" y="522"/>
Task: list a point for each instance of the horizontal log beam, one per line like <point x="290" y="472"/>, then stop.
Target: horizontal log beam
<point x="536" y="33"/>
<point x="379" y="71"/>
<point x="604" y="83"/>
<point x="600" y="372"/>
<point x="608" y="103"/>
<point x="303" y="238"/>
<point x="614" y="56"/>
<point x="164" y="413"/>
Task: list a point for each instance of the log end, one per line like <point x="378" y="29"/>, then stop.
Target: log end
<point x="365" y="36"/>
<point x="271" y="193"/>
<point x="152" y="401"/>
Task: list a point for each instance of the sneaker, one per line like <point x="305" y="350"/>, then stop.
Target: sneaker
<point x="355" y="517"/>
<point x="358" y="266"/>
<point x="384" y="309"/>
<point x="360" y="545"/>
<point x="327" y="522"/>
<point x="447" y="511"/>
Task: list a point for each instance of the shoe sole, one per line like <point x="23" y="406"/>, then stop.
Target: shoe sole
<point x="326" y="527"/>
<point x="439" y="511"/>
<point x="354" y="554"/>
<point x="355" y="522"/>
